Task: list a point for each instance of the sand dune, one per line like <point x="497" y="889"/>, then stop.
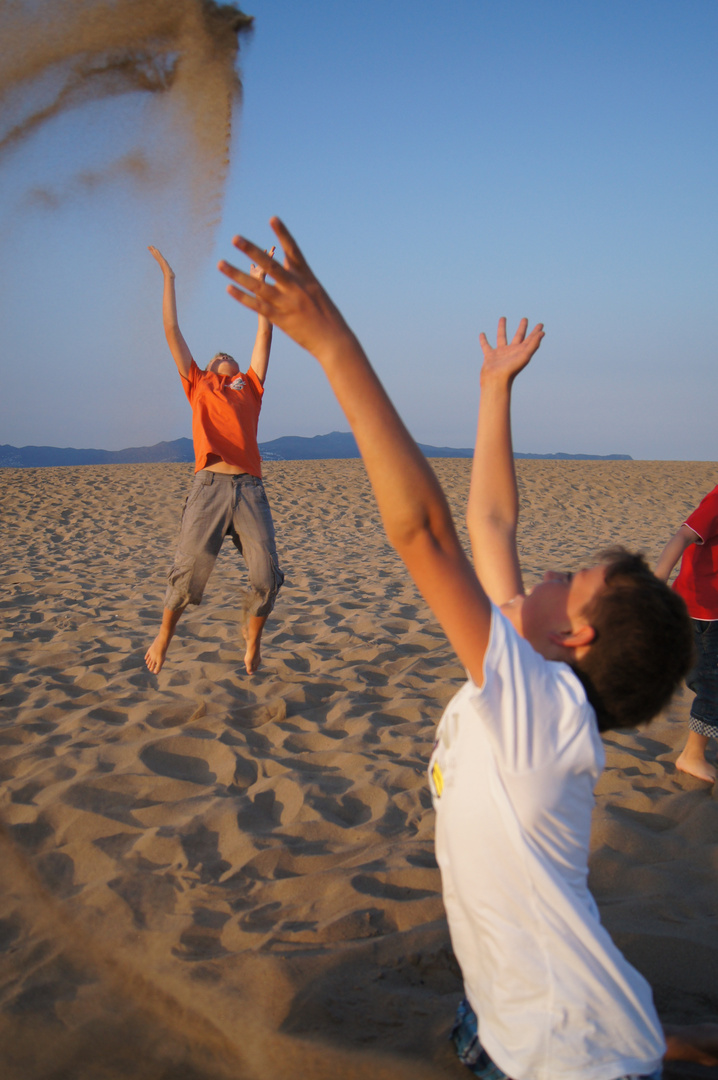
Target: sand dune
<point x="209" y="875"/>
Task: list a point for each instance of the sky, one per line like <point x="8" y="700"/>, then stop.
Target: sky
<point x="441" y="166"/>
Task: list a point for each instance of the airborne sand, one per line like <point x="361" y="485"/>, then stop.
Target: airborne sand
<point x="59" y="55"/>
<point x="207" y="875"/>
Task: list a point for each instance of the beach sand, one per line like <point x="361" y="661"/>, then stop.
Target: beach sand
<point x="210" y="875"/>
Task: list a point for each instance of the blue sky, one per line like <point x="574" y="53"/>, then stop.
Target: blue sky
<point x="441" y="165"/>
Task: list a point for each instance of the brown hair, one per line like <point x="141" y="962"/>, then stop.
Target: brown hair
<point x="643" y="645"/>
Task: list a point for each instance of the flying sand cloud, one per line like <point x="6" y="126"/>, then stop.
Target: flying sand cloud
<point x="59" y="55"/>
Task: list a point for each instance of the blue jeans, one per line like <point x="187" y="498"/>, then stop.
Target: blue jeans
<point x="466" y="1040"/>
<point x="219" y="505"/>
<point x="703" y="679"/>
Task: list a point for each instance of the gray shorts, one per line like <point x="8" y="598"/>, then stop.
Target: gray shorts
<point x="220" y="505"/>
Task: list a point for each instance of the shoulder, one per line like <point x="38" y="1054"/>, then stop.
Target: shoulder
<point x="194" y="375"/>
<point x="709" y="501"/>
<point x="510" y="652"/>
<point x="512" y="660"/>
<point x="254" y="381"/>
<point x="704" y="519"/>
<point x="532" y="706"/>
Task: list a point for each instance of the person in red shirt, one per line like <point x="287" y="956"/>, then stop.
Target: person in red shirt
<point x="227" y="495"/>
<point x="696" y="544"/>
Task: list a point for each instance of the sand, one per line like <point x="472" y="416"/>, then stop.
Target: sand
<point x="206" y="874"/>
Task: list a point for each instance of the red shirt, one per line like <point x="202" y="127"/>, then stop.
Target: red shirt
<point x="697" y="580"/>
<point x="225" y="415"/>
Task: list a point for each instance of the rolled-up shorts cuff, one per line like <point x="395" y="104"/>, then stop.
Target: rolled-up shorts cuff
<point x="187" y="579"/>
<point x="176" y="601"/>
<point x="703" y="727"/>
<point x="260" y="602"/>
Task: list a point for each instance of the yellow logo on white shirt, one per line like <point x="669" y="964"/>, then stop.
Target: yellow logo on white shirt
<point x="437" y="777"/>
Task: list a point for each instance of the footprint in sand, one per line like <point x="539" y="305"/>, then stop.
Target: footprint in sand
<point x="199" y="761"/>
<point x="387" y="890"/>
<point x="203" y="939"/>
<point x="278" y="804"/>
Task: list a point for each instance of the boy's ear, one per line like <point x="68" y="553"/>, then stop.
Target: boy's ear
<point x="578" y="639"/>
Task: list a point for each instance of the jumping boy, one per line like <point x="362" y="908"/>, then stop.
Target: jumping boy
<point x="518" y="750"/>
<point x="696" y="544"/>
<point x="227" y="495"/>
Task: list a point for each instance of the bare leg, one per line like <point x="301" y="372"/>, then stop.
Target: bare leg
<point x="692" y="1042"/>
<point x="155" y="655"/>
<point x="692" y="758"/>
<point x="252" y="631"/>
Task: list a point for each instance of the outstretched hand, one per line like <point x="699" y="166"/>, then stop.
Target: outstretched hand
<point x="163" y="264"/>
<point x="296" y="302"/>
<point x="256" y="271"/>
<point x="507" y="360"/>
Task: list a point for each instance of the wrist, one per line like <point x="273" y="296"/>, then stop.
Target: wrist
<point x="496" y="373"/>
<point x="337" y="347"/>
<point x="496" y="383"/>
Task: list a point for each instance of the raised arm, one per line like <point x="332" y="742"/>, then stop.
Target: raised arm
<point x="493" y="507"/>
<point x="674" y="549"/>
<point x="178" y="346"/>
<point x="414" y="511"/>
<point x="263" y="341"/>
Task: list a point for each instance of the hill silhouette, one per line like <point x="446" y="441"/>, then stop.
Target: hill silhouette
<point x="337" y="444"/>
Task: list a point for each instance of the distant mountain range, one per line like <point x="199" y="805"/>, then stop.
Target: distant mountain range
<point x="338" y="444"/>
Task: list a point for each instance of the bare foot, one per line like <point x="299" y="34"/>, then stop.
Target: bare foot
<point x="252" y="656"/>
<point x="252" y="633"/>
<point x="155" y="655"/>
<point x="696" y="766"/>
<point x="692" y="1042"/>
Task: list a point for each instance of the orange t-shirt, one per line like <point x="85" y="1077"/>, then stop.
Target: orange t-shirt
<point x="225" y="415"/>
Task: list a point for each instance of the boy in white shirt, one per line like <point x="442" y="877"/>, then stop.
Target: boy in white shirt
<point x="518" y="750"/>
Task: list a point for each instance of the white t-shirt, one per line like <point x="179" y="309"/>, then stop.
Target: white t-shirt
<point x="512" y="776"/>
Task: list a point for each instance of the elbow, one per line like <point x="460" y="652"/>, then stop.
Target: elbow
<point x="495" y="526"/>
<point x="411" y="534"/>
<point x="402" y="536"/>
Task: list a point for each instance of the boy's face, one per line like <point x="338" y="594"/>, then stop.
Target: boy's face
<point x="223" y="365"/>
<point x="551" y="616"/>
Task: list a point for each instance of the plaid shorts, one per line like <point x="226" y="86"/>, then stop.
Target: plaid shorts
<point x="466" y="1040"/>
